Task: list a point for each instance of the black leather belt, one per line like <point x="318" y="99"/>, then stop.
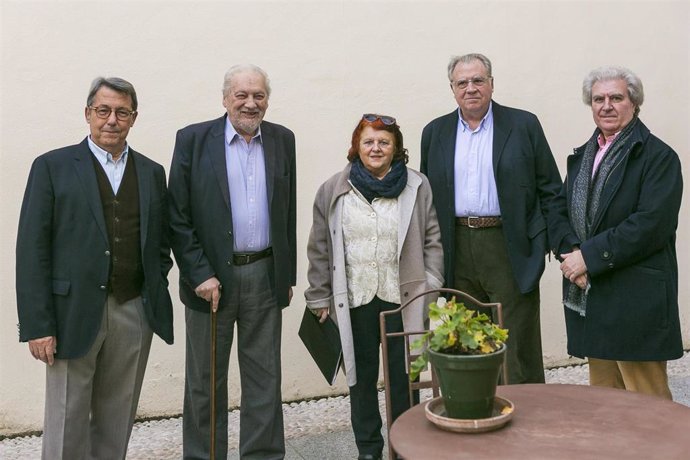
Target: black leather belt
<point x="250" y="257"/>
<point x="479" y="222"/>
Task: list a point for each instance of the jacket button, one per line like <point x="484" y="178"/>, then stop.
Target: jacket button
<point x="229" y="262"/>
<point x="606" y="255"/>
<point x="340" y="305"/>
<point x="107" y="253"/>
<point x="229" y="232"/>
<point x="101" y="287"/>
<point x="611" y="265"/>
<point x="406" y="294"/>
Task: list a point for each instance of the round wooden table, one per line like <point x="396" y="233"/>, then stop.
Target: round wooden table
<point x="558" y="422"/>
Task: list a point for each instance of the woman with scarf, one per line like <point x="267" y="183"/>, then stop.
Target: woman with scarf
<point x="623" y="191"/>
<point x="374" y="242"/>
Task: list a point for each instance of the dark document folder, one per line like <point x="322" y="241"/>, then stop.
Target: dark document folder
<point x="323" y="342"/>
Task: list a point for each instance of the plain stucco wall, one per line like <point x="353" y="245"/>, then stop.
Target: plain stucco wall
<point x="329" y="62"/>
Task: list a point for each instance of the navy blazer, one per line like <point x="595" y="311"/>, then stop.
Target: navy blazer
<point x="63" y="254"/>
<point x="527" y="180"/>
<point x="200" y="212"/>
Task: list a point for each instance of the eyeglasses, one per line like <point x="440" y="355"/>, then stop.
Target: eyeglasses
<point x="478" y="82"/>
<point x="103" y="111"/>
<point x="372" y="117"/>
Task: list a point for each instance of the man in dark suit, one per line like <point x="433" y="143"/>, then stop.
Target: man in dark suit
<point x="92" y="265"/>
<point x="232" y="212"/>
<point x="495" y="183"/>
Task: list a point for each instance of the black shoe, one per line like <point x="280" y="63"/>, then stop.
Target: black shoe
<point x="369" y="457"/>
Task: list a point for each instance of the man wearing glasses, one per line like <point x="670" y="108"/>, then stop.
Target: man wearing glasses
<point x="495" y="183"/>
<point x="92" y="264"/>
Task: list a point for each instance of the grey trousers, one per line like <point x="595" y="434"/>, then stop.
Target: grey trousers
<point x="483" y="270"/>
<point x="250" y="304"/>
<point x="91" y="401"/>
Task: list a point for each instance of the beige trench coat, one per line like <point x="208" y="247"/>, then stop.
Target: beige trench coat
<point x="420" y="256"/>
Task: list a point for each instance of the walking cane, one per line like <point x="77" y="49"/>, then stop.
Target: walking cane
<point x="213" y="384"/>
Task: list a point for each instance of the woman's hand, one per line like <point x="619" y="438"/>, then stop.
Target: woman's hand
<point x="321" y="313"/>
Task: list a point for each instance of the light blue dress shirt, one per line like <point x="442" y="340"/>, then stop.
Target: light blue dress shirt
<point x="113" y="169"/>
<point x="246" y="169"/>
<point x="475" y="184"/>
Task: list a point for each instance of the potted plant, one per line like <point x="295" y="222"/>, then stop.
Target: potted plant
<point x="466" y="350"/>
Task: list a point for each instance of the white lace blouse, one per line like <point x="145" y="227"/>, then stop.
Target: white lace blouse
<point x="370" y="234"/>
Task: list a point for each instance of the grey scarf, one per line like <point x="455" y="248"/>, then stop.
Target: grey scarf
<point x="586" y="197"/>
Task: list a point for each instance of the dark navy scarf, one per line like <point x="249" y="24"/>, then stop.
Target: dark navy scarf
<point x="370" y="187"/>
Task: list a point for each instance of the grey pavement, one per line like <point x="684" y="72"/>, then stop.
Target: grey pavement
<point x="316" y="429"/>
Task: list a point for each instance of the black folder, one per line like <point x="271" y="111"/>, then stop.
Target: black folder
<point x="323" y="343"/>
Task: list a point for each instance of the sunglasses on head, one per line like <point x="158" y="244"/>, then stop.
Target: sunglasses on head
<point x="372" y="117"/>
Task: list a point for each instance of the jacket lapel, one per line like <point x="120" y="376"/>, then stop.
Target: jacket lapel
<point x="501" y="133"/>
<point x="83" y="165"/>
<point x="447" y="138"/>
<point x="406" y="202"/>
<point x="145" y="180"/>
<point x="270" y="153"/>
<point x="216" y="152"/>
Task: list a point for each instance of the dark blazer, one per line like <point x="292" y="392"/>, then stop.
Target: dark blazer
<point x="527" y="180"/>
<point x="632" y="305"/>
<point x="200" y="213"/>
<point x="63" y="250"/>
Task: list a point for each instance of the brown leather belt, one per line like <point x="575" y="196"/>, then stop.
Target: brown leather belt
<point x="250" y="257"/>
<point x="479" y="222"/>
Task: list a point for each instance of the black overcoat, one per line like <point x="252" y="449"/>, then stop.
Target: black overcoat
<point x="632" y="305"/>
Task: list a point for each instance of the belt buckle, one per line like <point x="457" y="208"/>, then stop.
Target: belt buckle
<point x="469" y="221"/>
<point x="243" y="259"/>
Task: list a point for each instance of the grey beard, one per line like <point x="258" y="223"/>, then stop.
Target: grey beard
<point x="248" y="127"/>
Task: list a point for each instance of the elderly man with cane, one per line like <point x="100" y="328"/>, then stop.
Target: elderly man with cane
<point x="232" y="213"/>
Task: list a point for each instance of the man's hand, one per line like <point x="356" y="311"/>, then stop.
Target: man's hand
<point x="44" y="349"/>
<point x="581" y="281"/>
<point x="209" y="290"/>
<point x="573" y="265"/>
<point x="574" y="268"/>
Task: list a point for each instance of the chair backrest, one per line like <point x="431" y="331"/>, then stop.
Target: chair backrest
<point x="469" y="301"/>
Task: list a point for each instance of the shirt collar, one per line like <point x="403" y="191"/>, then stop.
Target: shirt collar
<point x="486" y="122"/>
<point x="103" y="156"/>
<point x="601" y="140"/>
<point x="231" y="133"/>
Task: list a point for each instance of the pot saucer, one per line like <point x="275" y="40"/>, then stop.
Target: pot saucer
<point x="502" y="413"/>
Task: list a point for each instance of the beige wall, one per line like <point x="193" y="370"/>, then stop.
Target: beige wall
<point x="329" y="62"/>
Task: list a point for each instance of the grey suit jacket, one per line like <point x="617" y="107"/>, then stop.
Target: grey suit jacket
<point x="63" y="251"/>
<point x="200" y="212"/>
<point x="527" y="180"/>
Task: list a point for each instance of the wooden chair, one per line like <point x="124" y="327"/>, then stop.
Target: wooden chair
<point x="470" y="302"/>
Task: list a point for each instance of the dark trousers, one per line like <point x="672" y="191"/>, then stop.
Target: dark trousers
<point x="364" y="403"/>
<point x="483" y="270"/>
<point x="250" y="304"/>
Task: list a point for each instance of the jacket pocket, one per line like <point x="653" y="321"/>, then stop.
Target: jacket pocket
<point x="61" y="287"/>
<point x="535" y="227"/>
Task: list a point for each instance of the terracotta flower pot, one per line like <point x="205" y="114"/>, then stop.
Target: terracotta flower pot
<point x="468" y="382"/>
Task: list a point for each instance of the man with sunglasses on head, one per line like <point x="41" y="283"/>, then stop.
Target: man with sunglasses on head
<point x="495" y="185"/>
<point x="92" y="265"/>
<point x="233" y="219"/>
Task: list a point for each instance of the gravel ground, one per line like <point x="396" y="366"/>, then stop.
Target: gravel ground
<point x="162" y="439"/>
